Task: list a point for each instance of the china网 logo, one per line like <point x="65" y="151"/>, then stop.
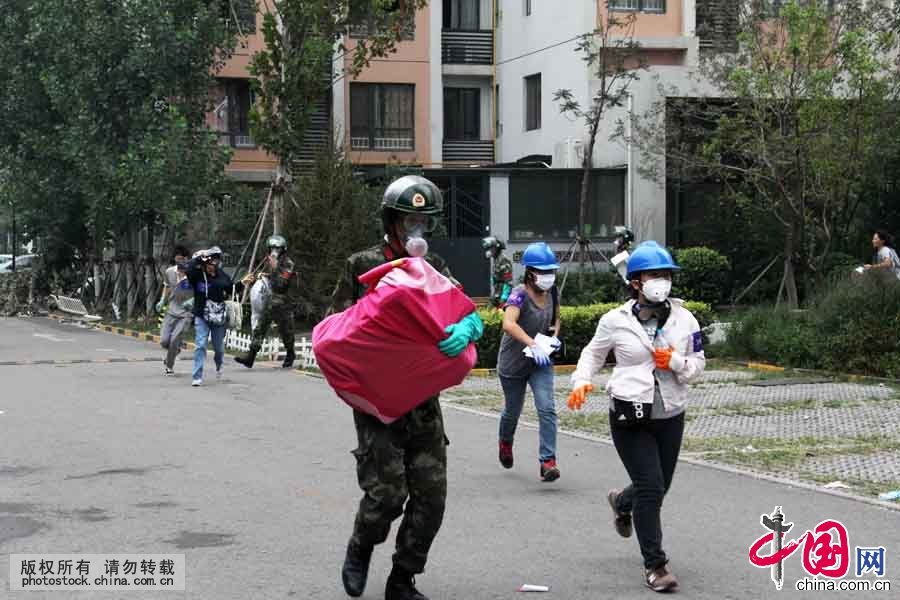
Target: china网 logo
<point x="824" y="553"/>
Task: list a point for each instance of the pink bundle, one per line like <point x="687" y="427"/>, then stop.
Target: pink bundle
<point x="381" y="354"/>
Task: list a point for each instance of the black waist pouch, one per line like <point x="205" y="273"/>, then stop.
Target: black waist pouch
<point x="629" y="414"/>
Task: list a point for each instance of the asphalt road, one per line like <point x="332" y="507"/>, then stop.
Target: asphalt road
<point x="252" y="479"/>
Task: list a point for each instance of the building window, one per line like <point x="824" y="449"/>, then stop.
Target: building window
<point x="363" y="21"/>
<point x="382" y="116"/>
<point x="649" y="6"/>
<point x="245" y="13"/>
<point x="528" y="8"/>
<point x="533" y="102"/>
<point x="462" y="15"/>
<point x="544" y="205"/>
<point x="233" y="113"/>
<point x="462" y="114"/>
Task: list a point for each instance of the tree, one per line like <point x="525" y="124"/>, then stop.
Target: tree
<point x="102" y="119"/>
<point x="793" y="129"/>
<point x="335" y="211"/>
<point x="613" y="55"/>
<point x="295" y="70"/>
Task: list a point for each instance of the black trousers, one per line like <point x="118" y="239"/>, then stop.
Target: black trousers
<point x="649" y="453"/>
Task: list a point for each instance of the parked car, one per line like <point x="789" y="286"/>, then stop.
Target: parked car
<point x="23" y="263"/>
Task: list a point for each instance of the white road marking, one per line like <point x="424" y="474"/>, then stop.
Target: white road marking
<point x="52" y="338"/>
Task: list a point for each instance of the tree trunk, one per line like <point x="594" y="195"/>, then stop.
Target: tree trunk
<point x="788" y="288"/>
<point x="130" y="289"/>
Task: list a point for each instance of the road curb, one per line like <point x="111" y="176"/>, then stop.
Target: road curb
<point x="895" y="507"/>
<point x="123" y="331"/>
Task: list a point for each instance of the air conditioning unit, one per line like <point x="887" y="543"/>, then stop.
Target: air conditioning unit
<point x="568" y="154"/>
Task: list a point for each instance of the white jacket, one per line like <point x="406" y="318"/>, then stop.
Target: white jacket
<point x="633" y="376"/>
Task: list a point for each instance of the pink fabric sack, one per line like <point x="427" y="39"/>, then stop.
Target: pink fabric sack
<point x="381" y="355"/>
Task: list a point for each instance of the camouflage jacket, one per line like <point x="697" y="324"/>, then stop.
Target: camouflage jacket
<point x="348" y="289"/>
<point x="502" y="279"/>
<point x="282" y="276"/>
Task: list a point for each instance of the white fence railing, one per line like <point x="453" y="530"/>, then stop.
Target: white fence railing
<point x="273" y="349"/>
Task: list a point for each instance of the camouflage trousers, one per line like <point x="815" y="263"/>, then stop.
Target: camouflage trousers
<point x="402" y="463"/>
<point x="282" y="314"/>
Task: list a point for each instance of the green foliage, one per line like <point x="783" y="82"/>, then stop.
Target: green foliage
<point x="592" y="288"/>
<point x="578" y="324"/>
<point x="852" y="327"/>
<point x="295" y="70"/>
<point x="101" y="115"/>
<point x="334" y="216"/>
<point x="704" y="275"/>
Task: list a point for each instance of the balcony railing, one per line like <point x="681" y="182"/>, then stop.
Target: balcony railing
<point x="469" y="151"/>
<point x="236" y="140"/>
<point x="467" y="47"/>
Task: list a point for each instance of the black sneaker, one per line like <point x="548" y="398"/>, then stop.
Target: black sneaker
<point x="402" y="586"/>
<point x="289" y="359"/>
<point x="622" y="521"/>
<point x="356" y="570"/>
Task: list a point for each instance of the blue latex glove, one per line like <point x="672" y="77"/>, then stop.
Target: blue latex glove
<point x="461" y="334"/>
<point x="540" y="357"/>
<point x="159" y="306"/>
<point x="504" y="294"/>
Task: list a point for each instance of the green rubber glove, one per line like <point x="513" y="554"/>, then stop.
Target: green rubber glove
<point x="504" y="295"/>
<point x="461" y="334"/>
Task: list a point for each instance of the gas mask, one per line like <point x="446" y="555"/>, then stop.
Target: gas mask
<point x="488" y="254"/>
<point x="414" y="240"/>
<point x="544" y="282"/>
<point x="275" y="253"/>
<point x="414" y="229"/>
<point x="659" y="311"/>
<point x="657" y="290"/>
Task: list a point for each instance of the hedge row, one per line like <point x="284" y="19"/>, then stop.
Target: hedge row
<point x="852" y="327"/>
<point x="578" y="324"/>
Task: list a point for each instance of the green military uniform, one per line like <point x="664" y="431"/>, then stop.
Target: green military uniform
<point x="502" y="279"/>
<point x="281" y="309"/>
<point x="404" y="462"/>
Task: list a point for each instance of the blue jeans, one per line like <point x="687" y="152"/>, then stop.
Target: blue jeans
<point x="204" y="331"/>
<point x="541" y="382"/>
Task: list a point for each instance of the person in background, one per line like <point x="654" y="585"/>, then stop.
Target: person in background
<point x="177" y="301"/>
<point x="531" y="309"/>
<point x="501" y="272"/>
<point x="212" y="286"/>
<point x="659" y="350"/>
<point x="279" y="269"/>
<point x="885" y="256"/>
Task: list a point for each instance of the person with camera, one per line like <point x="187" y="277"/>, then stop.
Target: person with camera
<point x="212" y="287"/>
<point x="524" y="358"/>
<point x="659" y="349"/>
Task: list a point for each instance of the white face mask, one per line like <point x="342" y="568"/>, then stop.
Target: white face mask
<point x="488" y="254"/>
<point x="545" y="282"/>
<point x="657" y="290"/>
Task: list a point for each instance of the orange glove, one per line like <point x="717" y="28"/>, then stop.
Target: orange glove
<point x="579" y="395"/>
<point x="663" y="356"/>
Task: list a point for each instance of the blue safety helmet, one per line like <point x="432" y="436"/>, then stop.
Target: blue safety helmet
<point x="539" y="256"/>
<point x="650" y="256"/>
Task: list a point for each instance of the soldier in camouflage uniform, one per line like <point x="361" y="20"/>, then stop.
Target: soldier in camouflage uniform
<point x="279" y="269"/>
<point x="404" y="462"/>
<point x="502" y="272"/>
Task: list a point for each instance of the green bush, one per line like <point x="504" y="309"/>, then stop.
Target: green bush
<point x="578" y="324"/>
<point x="705" y="275"/>
<point x="592" y="288"/>
<point x="852" y="327"/>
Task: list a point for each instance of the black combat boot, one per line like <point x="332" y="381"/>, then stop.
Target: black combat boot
<point x="247" y="359"/>
<point x="289" y="359"/>
<point x="356" y="569"/>
<point x="402" y="586"/>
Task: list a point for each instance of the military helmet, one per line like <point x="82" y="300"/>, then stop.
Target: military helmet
<point x="276" y="241"/>
<point x="413" y="194"/>
<point x="492" y="243"/>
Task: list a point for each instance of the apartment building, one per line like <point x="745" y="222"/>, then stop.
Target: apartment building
<point x="468" y="97"/>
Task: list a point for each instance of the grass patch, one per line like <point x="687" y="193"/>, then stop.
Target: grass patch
<point x="780" y="454"/>
<point x="864" y="487"/>
<point x="592" y="422"/>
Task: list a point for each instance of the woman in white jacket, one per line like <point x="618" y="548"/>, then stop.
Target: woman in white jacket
<point x="658" y="349"/>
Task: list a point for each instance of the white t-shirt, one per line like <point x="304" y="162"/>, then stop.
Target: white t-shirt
<point x="180" y="291"/>
<point x="887" y="253"/>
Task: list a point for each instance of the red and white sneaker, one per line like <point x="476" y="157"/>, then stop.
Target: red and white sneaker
<point x="549" y="470"/>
